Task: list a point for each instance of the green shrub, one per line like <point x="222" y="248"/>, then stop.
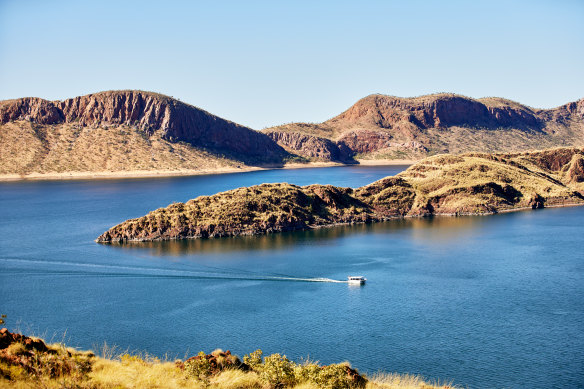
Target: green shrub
<point x="307" y="372"/>
<point x="198" y="367"/>
<point x="333" y="377"/>
<point x="253" y="360"/>
<point x="277" y="371"/>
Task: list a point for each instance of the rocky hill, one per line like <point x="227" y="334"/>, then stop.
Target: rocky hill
<point x="473" y="183"/>
<point x="380" y="126"/>
<point x="123" y="130"/>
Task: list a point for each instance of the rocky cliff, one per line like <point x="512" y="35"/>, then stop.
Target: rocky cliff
<point x="472" y="183"/>
<point x="313" y="147"/>
<point x="154" y="115"/>
<point x="380" y="126"/>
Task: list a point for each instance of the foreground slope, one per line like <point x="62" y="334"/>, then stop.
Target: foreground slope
<point x="123" y="131"/>
<point x="380" y="126"/>
<point x="472" y="183"/>
<point x="27" y="362"/>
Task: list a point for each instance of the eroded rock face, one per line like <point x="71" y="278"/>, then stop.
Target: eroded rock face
<point x="418" y="126"/>
<point x="31" y="109"/>
<point x="150" y="112"/>
<point x="312" y="147"/>
<point x="575" y="171"/>
<point x="435" y="111"/>
<point x="368" y="141"/>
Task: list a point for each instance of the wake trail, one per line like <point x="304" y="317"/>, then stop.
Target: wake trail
<point x="153" y="272"/>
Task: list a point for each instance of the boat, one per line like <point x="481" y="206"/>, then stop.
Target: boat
<point x="356" y="280"/>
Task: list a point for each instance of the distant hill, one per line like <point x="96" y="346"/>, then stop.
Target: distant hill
<point x="121" y="131"/>
<point x="387" y="127"/>
<point x="134" y="131"/>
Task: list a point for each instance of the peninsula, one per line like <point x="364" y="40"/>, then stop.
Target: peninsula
<point x="467" y="184"/>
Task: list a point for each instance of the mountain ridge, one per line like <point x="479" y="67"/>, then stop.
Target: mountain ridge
<point x="126" y="131"/>
<point x="150" y="112"/>
<point x="419" y="126"/>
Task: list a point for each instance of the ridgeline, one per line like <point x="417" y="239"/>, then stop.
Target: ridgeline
<point x="130" y="132"/>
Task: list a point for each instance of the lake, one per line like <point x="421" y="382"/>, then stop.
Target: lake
<point x="491" y="301"/>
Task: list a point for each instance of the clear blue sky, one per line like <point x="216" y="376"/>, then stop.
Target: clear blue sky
<point x="263" y="63"/>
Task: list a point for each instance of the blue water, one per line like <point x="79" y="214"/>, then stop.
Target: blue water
<point x="494" y="301"/>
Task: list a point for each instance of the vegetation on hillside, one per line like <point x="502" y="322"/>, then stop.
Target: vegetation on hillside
<point x="27" y="362"/>
<point x="440" y="185"/>
<point x="31" y="148"/>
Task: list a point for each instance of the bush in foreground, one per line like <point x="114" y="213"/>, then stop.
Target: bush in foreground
<point x="27" y="362"/>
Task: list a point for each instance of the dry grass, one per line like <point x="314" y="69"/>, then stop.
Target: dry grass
<point x="60" y="367"/>
<point x="137" y="373"/>
<point x="26" y="148"/>
<point x="402" y="381"/>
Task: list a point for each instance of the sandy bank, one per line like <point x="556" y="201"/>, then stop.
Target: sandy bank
<point x="182" y="172"/>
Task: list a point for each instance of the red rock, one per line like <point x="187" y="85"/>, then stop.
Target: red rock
<point x="150" y="112"/>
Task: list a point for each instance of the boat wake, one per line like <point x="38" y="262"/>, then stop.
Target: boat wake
<point x="64" y="268"/>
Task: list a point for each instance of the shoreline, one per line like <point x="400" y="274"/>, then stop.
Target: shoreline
<point x="340" y="224"/>
<point x="160" y="173"/>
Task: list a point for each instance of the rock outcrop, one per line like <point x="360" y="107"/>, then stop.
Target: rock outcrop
<point x="7" y="338"/>
<point x="474" y="183"/>
<point x="386" y="126"/>
<point x="313" y="147"/>
<point x="152" y="113"/>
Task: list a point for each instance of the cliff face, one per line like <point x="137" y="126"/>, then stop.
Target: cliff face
<point x="386" y="126"/>
<point x="441" y="185"/>
<point x="171" y="119"/>
<point x="437" y="111"/>
<point x="313" y="147"/>
<point x="31" y="109"/>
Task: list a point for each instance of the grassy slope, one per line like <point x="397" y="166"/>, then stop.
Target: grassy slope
<point x="26" y="364"/>
<point x="27" y="147"/>
<point x="439" y="185"/>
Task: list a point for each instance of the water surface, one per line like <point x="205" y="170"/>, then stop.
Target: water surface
<point x="486" y="302"/>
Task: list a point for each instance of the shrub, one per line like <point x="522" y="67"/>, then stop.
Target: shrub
<point x="307" y="372"/>
<point x="198" y="367"/>
<point x="334" y="377"/>
<point x="277" y="371"/>
<point x="253" y="360"/>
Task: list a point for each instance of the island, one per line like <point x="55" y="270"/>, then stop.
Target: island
<point x="466" y="184"/>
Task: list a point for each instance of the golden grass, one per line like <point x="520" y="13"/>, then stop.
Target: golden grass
<point x="135" y="372"/>
<point x="138" y="373"/>
<point x="26" y="148"/>
<point x="401" y="381"/>
<point x="165" y="375"/>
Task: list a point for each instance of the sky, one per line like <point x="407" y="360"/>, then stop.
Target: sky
<point x="264" y="63"/>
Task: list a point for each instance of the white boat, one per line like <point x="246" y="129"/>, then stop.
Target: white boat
<point x="356" y="280"/>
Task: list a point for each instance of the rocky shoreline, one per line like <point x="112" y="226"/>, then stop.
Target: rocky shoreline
<point x="469" y="184"/>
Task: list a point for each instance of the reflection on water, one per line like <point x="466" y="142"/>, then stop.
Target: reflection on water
<point x="442" y="229"/>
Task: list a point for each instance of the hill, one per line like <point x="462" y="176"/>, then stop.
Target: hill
<point x="388" y="127"/>
<point x="124" y="131"/>
<point x="473" y="183"/>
